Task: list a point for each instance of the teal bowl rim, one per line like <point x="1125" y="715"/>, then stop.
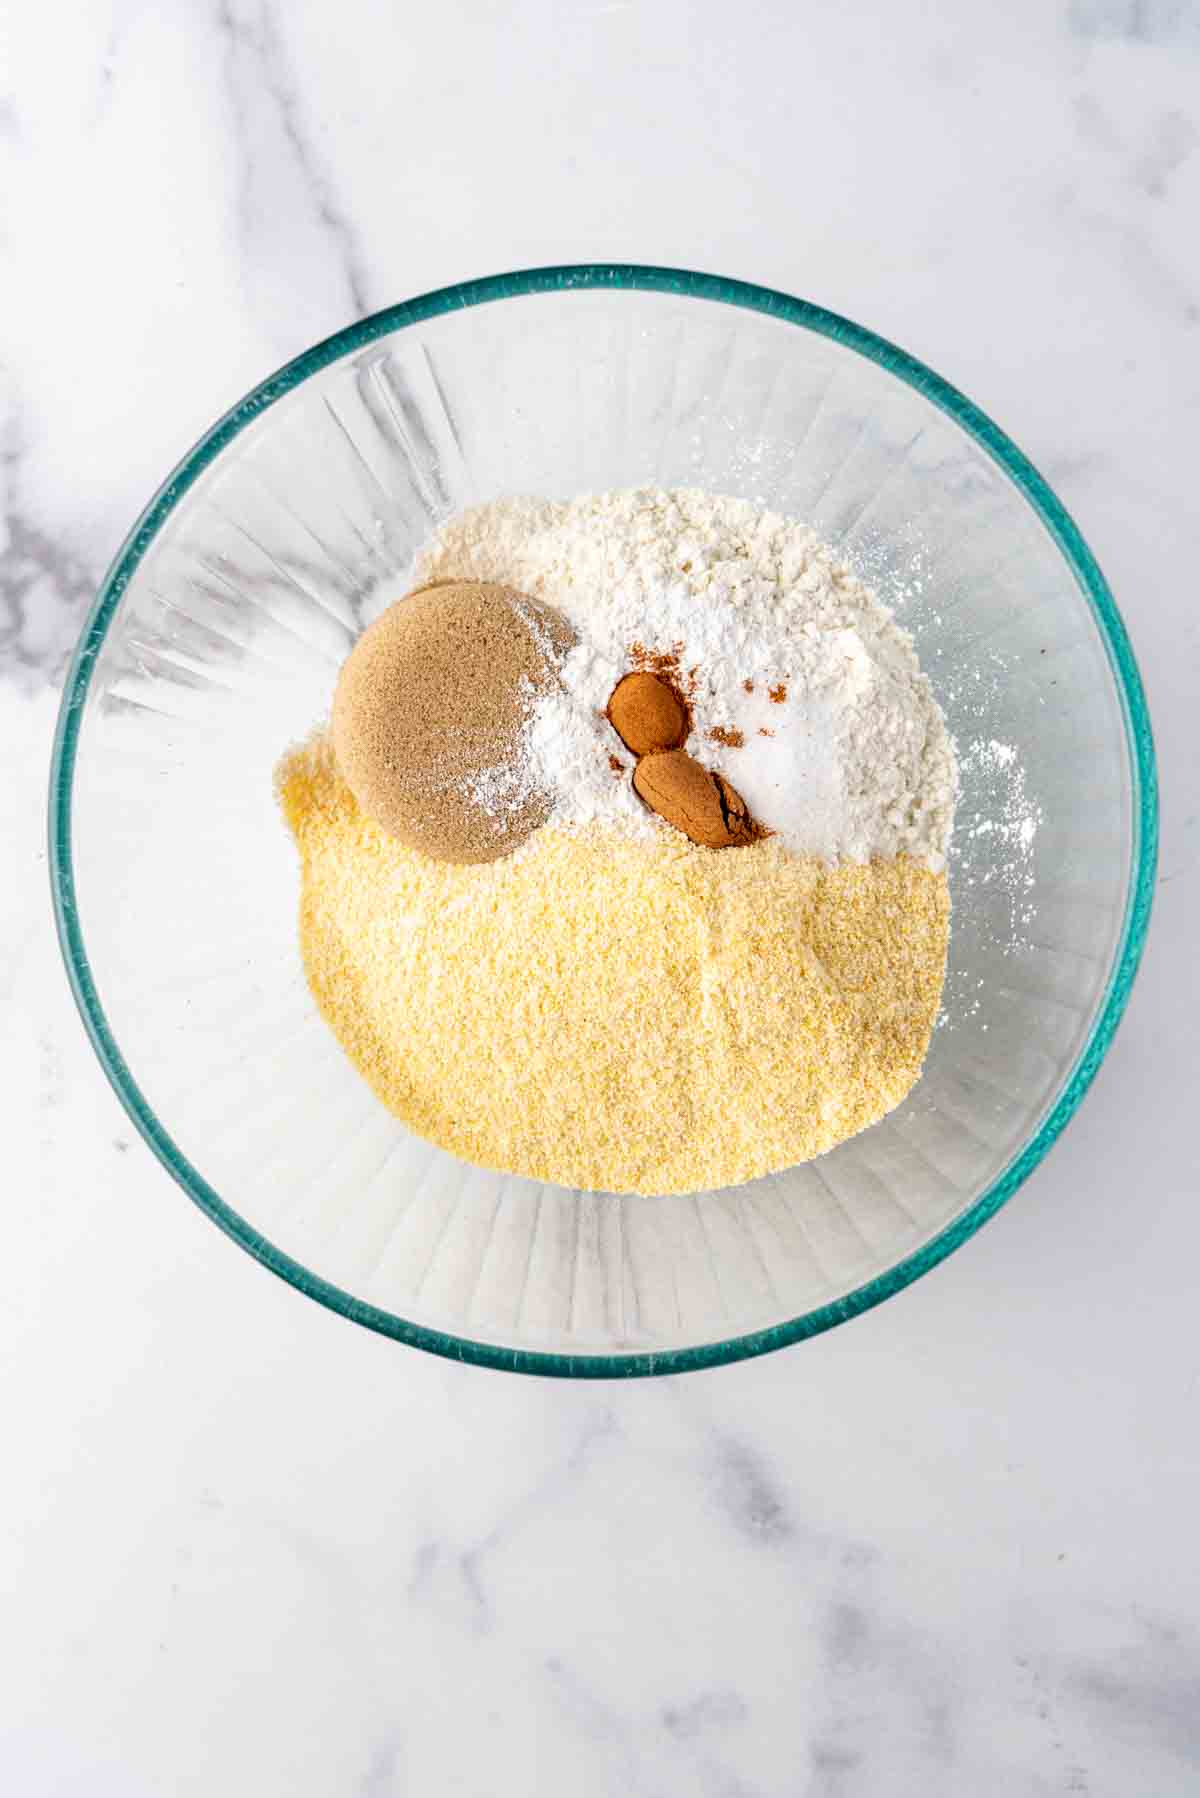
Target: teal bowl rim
<point x="988" y="436"/>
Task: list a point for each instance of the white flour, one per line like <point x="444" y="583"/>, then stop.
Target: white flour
<point x="850" y="759"/>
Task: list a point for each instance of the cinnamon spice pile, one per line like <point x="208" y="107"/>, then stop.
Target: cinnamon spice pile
<point x="653" y="720"/>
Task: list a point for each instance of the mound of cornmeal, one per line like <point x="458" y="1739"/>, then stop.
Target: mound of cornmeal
<point x="616" y="1014"/>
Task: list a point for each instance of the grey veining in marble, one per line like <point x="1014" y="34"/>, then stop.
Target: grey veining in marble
<point x="283" y="191"/>
<point x="245" y="1547"/>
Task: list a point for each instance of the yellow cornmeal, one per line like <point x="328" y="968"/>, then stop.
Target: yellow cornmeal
<point x="610" y="1013"/>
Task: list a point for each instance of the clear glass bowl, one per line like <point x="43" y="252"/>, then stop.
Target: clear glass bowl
<point x="214" y="643"/>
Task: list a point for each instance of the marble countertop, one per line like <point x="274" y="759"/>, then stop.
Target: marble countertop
<point x="246" y="1547"/>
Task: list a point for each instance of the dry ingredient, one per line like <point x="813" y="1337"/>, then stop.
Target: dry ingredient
<point x="653" y="721"/>
<point x="600" y="1000"/>
<point x="844" y="751"/>
<point x="432" y="711"/>
<point x="637" y="1015"/>
<point x="647" y="714"/>
<point x="702" y="805"/>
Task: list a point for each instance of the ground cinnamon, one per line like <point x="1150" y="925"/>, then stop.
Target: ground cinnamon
<point x="702" y="805"/>
<point x="647" y="714"/>
<point x="653" y="720"/>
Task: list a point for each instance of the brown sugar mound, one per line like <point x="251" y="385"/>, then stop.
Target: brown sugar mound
<point x="428" y="716"/>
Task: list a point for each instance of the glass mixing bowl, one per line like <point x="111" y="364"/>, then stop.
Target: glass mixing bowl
<point x="214" y="643"/>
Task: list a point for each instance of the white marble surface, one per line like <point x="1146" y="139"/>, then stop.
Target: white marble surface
<point x="248" y="1548"/>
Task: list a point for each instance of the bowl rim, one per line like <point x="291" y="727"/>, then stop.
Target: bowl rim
<point x="988" y="436"/>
